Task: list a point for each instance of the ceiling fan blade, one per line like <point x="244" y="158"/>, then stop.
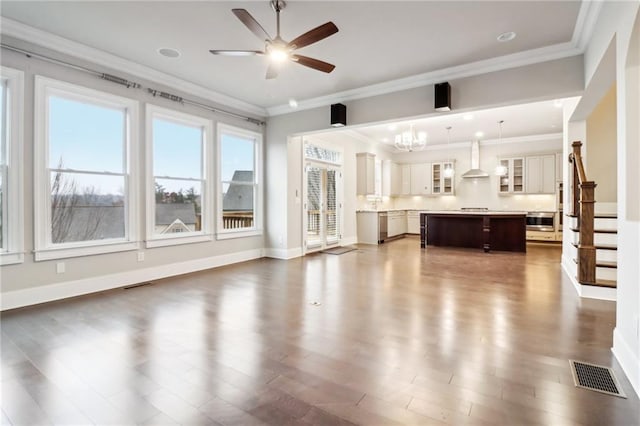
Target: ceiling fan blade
<point x="272" y="72"/>
<point x="316" y="64"/>
<point x="237" y="52"/>
<point x="316" y="34"/>
<point x="253" y="25"/>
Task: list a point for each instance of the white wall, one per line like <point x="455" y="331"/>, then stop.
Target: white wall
<point x="616" y="22"/>
<point x="33" y="282"/>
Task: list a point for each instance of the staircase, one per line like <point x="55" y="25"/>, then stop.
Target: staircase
<point x="606" y="244"/>
<point x="594" y="235"/>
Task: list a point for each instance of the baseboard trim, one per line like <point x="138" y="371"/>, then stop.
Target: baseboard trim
<point x="64" y="290"/>
<point x="629" y="361"/>
<point x="284" y="254"/>
<point x="587" y="291"/>
<point x="349" y="241"/>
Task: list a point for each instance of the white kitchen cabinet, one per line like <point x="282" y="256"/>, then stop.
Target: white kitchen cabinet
<point x="420" y="178"/>
<point x="559" y="165"/>
<point x="405" y="176"/>
<point x="513" y="181"/>
<point x="386" y="178"/>
<point x="440" y="184"/>
<point x="541" y="174"/>
<point x="377" y="178"/>
<point x="365" y="173"/>
<point x="413" y="222"/>
<point x="396" y="178"/>
<point x="540" y="236"/>
<point x="367" y="227"/>
<point x="396" y="223"/>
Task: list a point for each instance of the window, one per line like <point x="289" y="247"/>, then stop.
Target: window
<point x="85" y="146"/>
<point x="177" y="163"/>
<point x="11" y="207"/>
<point x="239" y="202"/>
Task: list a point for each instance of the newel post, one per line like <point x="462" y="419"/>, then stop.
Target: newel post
<point x="575" y="180"/>
<point x="586" y="248"/>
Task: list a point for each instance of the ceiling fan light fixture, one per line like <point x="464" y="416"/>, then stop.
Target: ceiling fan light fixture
<point x="278" y="54"/>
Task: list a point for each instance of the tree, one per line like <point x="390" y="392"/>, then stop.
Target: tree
<point x="65" y="202"/>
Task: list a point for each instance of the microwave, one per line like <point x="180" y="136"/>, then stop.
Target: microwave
<point x="541" y="221"/>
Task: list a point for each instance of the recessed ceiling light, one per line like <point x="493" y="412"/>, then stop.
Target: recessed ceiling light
<point x="392" y="127"/>
<point x="557" y="103"/>
<point x="468" y="117"/>
<point x="169" y="52"/>
<point x="479" y="134"/>
<point x="508" y="36"/>
<point x="293" y="103"/>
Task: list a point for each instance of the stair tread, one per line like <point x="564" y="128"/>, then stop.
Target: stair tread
<point x="606" y="283"/>
<point x="597" y="231"/>
<point x="601" y="246"/>
<point x="606" y="215"/>
<point x="602" y="263"/>
<point x="603" y="283"/>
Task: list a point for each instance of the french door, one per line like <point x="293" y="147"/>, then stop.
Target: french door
<point x="322" y="207"/>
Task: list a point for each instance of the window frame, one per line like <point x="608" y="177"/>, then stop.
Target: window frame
<point x="45" y="249"/>
<point x="12" y="179"/>
<point x="176" y="117"/>
<point x="256" y="229"/>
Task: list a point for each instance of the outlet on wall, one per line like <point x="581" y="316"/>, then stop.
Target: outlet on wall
<point x="140" y="256"/>
<point x="60" y="268"/>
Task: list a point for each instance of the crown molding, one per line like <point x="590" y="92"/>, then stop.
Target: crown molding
<point x="65" y="46"/>
<point x="585" y="24"/>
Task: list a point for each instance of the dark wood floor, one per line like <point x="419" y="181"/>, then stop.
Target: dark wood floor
<point x="401" y="336"/>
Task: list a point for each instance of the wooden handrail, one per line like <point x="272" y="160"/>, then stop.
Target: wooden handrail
<point x="582" y="206"/>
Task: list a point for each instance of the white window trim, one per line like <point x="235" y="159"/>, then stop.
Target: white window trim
<point x="223" y="234"/>
<point x="14" y="208"/>
<point x="163" y="240"/>
<point x="44" y="248"/>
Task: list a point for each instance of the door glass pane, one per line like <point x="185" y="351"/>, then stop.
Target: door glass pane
<point x="332" y="235"/>
<point x="314" y="176"/>
<point x="86" y="207"/>
<point x="84" y="136"/>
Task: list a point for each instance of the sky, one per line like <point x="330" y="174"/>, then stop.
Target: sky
<point x="90" y="138"/>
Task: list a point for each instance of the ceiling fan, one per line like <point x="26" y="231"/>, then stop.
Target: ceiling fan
<point x="276" y="48"/>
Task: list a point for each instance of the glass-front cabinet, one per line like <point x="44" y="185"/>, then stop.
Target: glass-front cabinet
<point x="512" y="182"/>
<point x="440" y="183"/>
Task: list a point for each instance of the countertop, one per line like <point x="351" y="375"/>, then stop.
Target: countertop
<point x="494" y="212"/>
<point x="479" y="213"/>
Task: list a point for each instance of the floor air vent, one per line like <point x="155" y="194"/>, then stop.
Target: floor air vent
<point x="596" y="378"/>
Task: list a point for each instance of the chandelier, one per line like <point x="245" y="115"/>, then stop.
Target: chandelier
<point x="409" y="141"/>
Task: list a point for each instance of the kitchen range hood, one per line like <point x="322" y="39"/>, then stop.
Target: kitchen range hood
<point x="476" y="171"/>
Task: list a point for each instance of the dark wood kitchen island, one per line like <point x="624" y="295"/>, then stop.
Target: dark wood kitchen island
<point x="499" y="231"/>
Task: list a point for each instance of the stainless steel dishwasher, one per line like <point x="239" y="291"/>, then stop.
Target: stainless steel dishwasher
<point x="382" y="227"/>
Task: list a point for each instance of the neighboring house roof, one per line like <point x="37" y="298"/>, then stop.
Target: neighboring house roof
<point x="239" y="197"/>
<point x="166" y="214"/>
<point x="92" y="223"/>
<point x="177" y="224"/>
